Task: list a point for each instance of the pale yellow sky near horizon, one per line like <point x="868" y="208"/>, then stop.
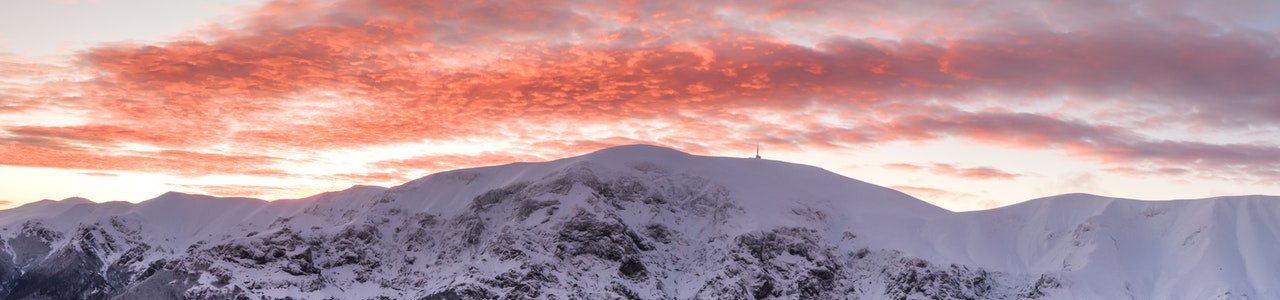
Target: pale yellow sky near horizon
<point x="1051" y="175"/>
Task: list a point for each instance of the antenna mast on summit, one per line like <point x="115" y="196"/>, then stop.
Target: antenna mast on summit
<point x="757" y="151"/>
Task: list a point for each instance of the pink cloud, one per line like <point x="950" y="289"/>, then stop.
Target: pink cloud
<point x="928" y="192"/>
<point x="412" y="71"/>
<point x="976" y="173"/>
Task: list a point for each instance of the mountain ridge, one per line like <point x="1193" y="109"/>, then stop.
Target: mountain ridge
<point x="633" y="148"/>
<point x="638" y="222"/>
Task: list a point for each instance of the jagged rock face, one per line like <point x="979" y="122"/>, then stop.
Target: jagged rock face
<point x="599" y="228"/>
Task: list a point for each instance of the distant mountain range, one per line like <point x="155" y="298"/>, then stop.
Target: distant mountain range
<point x="638" y="222"/>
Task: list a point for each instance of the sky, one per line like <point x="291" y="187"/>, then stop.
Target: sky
<point x="965" y="104"/>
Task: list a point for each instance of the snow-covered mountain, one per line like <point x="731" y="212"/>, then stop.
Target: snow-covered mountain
<point x="638" y="222"/>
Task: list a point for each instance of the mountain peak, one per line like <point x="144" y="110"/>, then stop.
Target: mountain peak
<point x="638" y="150"/>
<point x="76" y="200"/>
<point x="179" y="198"/>
<point x="172" y="194"/>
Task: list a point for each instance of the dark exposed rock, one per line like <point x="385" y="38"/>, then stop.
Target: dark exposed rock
<point x="658" y="232"/>
<point x="1041" y="287"/>
<point x="505" y="247"/>
<point x="69" y="273"/>
<point x="445" y="295"/>
<point x="624" y="292"/>
<point x="513" y="192"/>
<point x="524" y="283"/>
<point x="471" y="228"/>
<point x="764" y="289"/>
<point x="527" y="207"/>
<point x="633" y="269"/>
<point x="121" y="271"/>
<point x="420" y="231"/>
<point x="606" y="238"/>
<point x="917" y="279"/>
<point x="285" y="249"/>
<point x="801" y="242"/>
<point x="785" y="262"/>
<point x="862" y="253"/>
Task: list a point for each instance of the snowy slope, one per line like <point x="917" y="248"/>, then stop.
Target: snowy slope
<point x="638" y="222"/>
<point x="1217" y="248"/>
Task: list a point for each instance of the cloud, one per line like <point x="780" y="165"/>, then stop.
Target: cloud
<point x="1081" y="181"/>
<point x="929" y="192"/>
<point x="436" y="163"/>
<point x="1105" y="144"/>
<point x="100" y="174"/>
<point x="297" y="77"/>
<point x="963" y="201"/>
<point x="166" y="161"/>
<point x="236" y="190"/>
<point x="976" y="173"/>
<point x="372" y="177"/>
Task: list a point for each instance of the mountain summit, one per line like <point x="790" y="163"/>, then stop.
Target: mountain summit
<point x="638" y="222"/>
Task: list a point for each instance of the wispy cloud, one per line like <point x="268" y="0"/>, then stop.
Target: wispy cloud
<point x="977" y="173"/>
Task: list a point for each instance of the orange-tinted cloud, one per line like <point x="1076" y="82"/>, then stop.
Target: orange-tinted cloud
<point x="1107" y="144"/>
<point x="302" y="76"/>
<point x="397" y="176"/>
<point x="166" y="161"/>
<point x="237" y="190"/>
